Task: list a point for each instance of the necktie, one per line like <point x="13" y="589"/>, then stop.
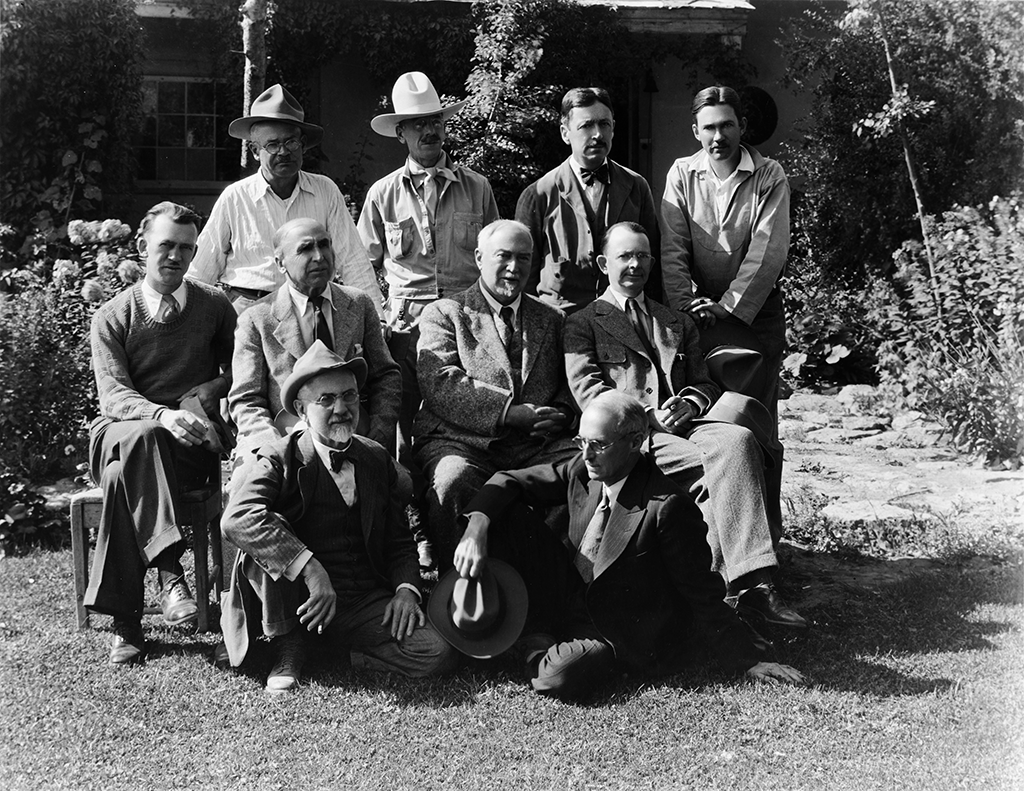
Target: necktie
<point x="640" y="325"/>
<point x="344" y="475"/>
<point x="430" y="193"/>
<point x="598" y="173"/>
<point x="514" y="346"/>
<point x="509" y="326"/>
<point x="591" y="541"/>
<point x="168" y="309"/>
<point x="323" y="332"/>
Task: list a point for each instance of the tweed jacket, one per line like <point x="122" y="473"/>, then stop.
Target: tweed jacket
<point x="274" y="494"/>
<point x="652" y="579"/>
<point x="268" y="341"/>
<point x="603" y="352"/>
<point x="565" y="272"/>
<point x="465" y="374"/>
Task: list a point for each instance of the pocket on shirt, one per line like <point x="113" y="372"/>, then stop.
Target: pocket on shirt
<point x="466" y="226"/>
<point x="399" y="237"/>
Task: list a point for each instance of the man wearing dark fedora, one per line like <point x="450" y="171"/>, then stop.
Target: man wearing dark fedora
<point x="421" y="222"/>
<point x="637" y="589"/>
<point x="235" y="248"/>
<point x="323" y="550"/>
<point x="627" y="342"/>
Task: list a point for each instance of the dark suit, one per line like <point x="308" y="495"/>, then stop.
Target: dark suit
<point x="722" y="461"/>
<point x="467" y="380"/>
<point x="275" y="493"/>
<point x="269" y="340"/>
<point x="565" y="245"/>
<point x="652" y="581"/>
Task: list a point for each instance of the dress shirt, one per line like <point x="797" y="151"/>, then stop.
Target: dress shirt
<point x="594" y="191"/>
<point x="236" y="247"/>
<point x="726" y="188"/>
<point x="496" y="307"/>
<point x="307" y="315"/>
<point x="154" y="299"/>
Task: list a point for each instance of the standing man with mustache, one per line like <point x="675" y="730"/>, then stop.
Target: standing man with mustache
<point x="235" y="249"/>
<point x="420" y="223"/>
<point x="569" y="208"/>
<point x="491" y="370"/>
<point x="725" y="221"/>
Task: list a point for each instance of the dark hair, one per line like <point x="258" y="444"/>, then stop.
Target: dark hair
<point x="717" y="94"/>
<point x="178" y="214"/>
<point x="635" y="227"/>
<point x="584" y="97"/>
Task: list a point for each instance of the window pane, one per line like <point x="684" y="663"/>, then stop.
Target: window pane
<point x="149" y="88"/>
<point x="171" y="97"/>
<point x="200" y="131"/>
<point x="147" y="163"/>
<point x="147" y="134"/>
<point x="201" y="164"/>
<point x="227" y="163"/>
<point x="200" y="98"/>
<point x="170" y="164"/>
<point x="172" y="130"/>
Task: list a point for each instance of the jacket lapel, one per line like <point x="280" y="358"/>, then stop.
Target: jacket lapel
<point x="287" y="331"/>
<point x="569" y="189"/>
<point x="625" y="518"/>
<point x="308" y="469"/>
<point x="668" y="335"/>
<point x="535" y="327"/>
<point x="482" y="327"/>
<point x="365" y="491"/>
<point x="618" y="191"/>
<point x="613" y="320"/>
<point x="584" y="505"/>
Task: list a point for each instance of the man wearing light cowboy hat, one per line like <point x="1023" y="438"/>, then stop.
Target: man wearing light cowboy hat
<point x="322" y="546"/>
<point x="421" y="222"/>
<point x="626" y="342"/>
<point x="634" y="587"/>
<point x="236" y="248"/>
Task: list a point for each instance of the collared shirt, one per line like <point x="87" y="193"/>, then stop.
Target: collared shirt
<point x="726" y="188"/>
<point x="236" y="245"/>
<point x="496" y="308"/>
<point x="154" y="299"/>
<point x="595" y="191"/>
<point x="612" y="491"/>
<point x="307" y="315"/>
<point x="426" y="260"/>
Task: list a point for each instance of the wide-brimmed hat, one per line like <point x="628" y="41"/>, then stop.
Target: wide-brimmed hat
<point x="737" y="368"/>
<point x="741" y="410"/>
<point x="480" y="617"/>
<point x="413" y="96"/>
<point x="276" y="104"/>
<point x="318" y="359"/>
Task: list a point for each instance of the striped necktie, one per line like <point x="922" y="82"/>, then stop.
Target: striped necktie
<point x="169" y="309"/>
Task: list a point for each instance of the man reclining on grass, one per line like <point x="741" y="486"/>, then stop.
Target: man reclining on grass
<point x="322" y="547"/>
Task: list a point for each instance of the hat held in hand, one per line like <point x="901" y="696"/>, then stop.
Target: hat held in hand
<point x="480" y="617"/>
<point x="741" y="410"/>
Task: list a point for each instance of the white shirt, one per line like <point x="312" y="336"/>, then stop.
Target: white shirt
<point x="154" y="299"/>
<point x="726" y="188"/>
<point x="595" y="191"/>
<point x="236" y="245"/>
<point x="307" y="315"/>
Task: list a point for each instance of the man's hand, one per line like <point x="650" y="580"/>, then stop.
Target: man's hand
<point x="773" y="673"/>
<point x="521" y="417"/>
<point x="705" y="312"/>
<point x="550" y="421"/>
<point x="675" y="415"/>
<point x="188" y="429"/>
<point x="471" y="553"/>
<point x="209" y="394"/>
<point x="318" y="610"/>
<point x="404" y="614"/>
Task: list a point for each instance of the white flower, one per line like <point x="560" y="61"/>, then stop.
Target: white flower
<point x="838" y="353"/>
<point x="129" y="272"/>
<point x="92" y="290"/>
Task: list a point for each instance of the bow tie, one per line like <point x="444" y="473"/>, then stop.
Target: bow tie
<point x="599" y="173"/>
<point x="338" y="457"/>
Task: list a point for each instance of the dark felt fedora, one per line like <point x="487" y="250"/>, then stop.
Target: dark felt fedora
<point x="480" y="617"/>
<point x="318" y="359"/>
<point x="741" y="410"/>
<point x="276" y="104"/>
<point x="737" y="368"/>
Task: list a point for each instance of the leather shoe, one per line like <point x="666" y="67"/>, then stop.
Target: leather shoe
<point x="291" y="654"/>
<point x="129" y="644"/>
<point x="177" y="604"/>
<point x="763" y="604"/>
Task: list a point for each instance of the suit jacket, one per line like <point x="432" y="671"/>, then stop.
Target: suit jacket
<point x="268" y="341"/>
<point x="604" y="352"/>
<point x="565" y="272"/>
<point x="465" y="374"/>
<point x="274" y="494"/>
<point x="652" y="577"/>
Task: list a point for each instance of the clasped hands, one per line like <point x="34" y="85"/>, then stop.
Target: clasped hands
<point x="706" y="311"/>
<point x="675" y="415"/>
<point x="537" y="421"/>
<point x="187" y="428"/>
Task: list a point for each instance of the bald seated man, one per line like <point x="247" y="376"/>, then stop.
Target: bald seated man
<point x="279" y="329"/>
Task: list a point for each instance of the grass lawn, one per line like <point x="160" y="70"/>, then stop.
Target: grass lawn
<point x="916" y="685"/>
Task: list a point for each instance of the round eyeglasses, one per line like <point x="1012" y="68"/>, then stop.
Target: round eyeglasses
<point x="595" y="445"/>
<point x="327" y="400"/>
<point x="291" y="145"/>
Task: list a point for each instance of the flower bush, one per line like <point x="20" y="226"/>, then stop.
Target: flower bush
<point x="47" y="389"/>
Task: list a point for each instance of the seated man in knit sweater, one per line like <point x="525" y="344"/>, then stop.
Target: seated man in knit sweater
<point x="154" y="345"/>
<point x="322" y="546"/>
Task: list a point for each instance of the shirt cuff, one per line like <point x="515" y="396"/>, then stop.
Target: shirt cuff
<point x="504" y="412"/>
<point x="294" y="569"/>
<point x="410" y="587"/>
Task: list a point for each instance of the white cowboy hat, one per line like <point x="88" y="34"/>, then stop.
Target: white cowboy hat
<point x="413" y="96"/>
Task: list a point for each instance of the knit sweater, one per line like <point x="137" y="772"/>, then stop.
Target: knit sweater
<point x="143" y="365"/>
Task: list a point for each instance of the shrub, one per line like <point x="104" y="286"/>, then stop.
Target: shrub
<point x="24" y="517"/>
<point x="48" y="392"/>
<point x="956" y="350"/>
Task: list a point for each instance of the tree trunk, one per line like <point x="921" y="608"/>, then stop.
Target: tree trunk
<point x="254" y="46"/>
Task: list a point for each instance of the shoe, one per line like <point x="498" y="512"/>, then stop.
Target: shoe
<point x="177" y="604"/>
<point x="221" y="660"/>
<point x="763" y="604"/>
<point x="291" y="653"/>
<point x="129" y="644"/>
<point x="532" y="648"/>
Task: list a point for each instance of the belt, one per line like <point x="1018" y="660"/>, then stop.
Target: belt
<point x="249" y="293"/>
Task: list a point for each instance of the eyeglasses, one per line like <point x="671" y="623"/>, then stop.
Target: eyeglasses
<point x="327" y="400"/>
<point x="422" y="124"/>
<point x="595" y="445"/>
<point x="291" y="145"/>
<point x="634" y="255"/>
